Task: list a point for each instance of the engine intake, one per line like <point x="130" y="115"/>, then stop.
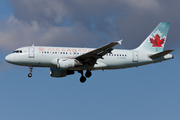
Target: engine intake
<point x="65" y="63"/>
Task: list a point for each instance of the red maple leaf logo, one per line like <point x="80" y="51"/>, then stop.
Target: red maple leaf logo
<point x="157" y="41"/>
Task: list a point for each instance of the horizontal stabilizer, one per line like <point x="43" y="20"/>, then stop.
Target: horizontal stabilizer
<point x="161" y="54"/>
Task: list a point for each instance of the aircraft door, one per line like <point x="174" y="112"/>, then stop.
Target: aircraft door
<point x="31" y="52"/>
<point x="135" y="56"/>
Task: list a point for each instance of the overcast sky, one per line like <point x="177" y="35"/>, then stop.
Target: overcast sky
<point x="85" y="22"/>
<point x="148" y="92"/>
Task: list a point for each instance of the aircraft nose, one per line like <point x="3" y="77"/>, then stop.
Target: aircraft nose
<point x="8" y="58"/>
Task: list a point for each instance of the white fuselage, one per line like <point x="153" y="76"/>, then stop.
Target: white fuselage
<point x="41" y="56"/>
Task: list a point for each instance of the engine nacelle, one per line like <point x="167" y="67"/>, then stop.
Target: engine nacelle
<point x="65" y="63"/>
<point x="55" y="72"/>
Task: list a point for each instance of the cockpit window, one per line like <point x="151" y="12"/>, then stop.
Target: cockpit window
<point x="17" y="51"/>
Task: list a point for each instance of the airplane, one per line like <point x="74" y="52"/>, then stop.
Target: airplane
<point x="64" y="61"/>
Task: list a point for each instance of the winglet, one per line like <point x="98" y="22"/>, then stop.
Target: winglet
<point x="120" y="41"/>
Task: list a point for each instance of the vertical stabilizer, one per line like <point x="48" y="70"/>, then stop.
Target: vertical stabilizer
<point x="156" y="40"/>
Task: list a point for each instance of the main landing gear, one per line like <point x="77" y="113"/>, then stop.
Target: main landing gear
<point x="30" y="74"/>
<point x="87" y="74"/>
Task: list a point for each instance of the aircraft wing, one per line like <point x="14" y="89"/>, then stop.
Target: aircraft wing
<point x="92" y="56"/>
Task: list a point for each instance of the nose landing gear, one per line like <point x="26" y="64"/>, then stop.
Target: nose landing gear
<point x="30" y="74"/>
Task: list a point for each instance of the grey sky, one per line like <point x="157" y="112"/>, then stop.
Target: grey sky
<point x="87" y="23"/>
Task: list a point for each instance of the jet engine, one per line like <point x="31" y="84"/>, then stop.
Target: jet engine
<point x="55" y="72"/>
<point x="65" y="63"/>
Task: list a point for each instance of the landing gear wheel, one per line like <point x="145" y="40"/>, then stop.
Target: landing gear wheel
<point x="82" y="79"/>
<point x="30" y="75"/>
<point x="30" y="69"/>
<point x="88" y="74"/>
